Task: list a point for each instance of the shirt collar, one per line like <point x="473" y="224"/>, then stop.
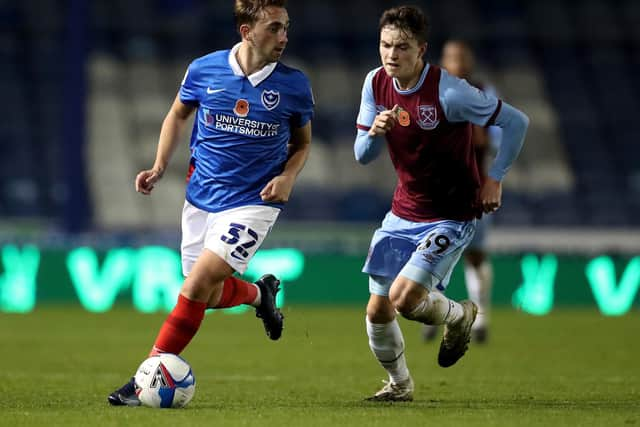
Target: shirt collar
<point x="418" y="84"/>
<point x="256" y="78"/>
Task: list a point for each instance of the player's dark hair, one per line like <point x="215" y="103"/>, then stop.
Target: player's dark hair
<point x="248" y="11"/>
<point x="408" y="19"/>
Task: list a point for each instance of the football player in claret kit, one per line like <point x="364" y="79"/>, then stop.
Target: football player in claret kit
<point x="250" y="139"/>
<point x="458" y="60"/>
<point x="424" y="114"/>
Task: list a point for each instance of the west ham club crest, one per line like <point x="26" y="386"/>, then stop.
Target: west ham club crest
<point x="427" y="117"/>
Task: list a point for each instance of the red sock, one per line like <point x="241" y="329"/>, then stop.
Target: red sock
<point x="235" y="292"/>
<point x="181" y="325"/>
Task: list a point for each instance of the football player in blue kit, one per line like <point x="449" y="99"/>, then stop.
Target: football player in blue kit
<point x="425" y="116"/>
<point x="250" y="139"/>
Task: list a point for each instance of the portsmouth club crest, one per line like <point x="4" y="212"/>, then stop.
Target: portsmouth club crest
<point x="428" y="117"/>
<point x="270" y="99"/>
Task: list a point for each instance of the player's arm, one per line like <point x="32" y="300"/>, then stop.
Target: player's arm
<point x="299" y="147"/>
<point x="514" y="124"/>
<point x="371" y="126"/>
<point x="279" y="188"/>
<point x="172" y="128"/>
<point x="369" y="143"/>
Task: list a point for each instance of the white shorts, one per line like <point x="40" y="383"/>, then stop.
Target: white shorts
<point x="234" y="235"/>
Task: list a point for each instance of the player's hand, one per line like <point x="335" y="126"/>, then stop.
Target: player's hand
<point x="146" y="180"/>
<point x="278" y="189"/>
<point x="385" y="121"/>
<point x="491" y="195"/>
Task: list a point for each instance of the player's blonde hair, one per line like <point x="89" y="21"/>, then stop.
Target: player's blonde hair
<point x="248" y="11"/>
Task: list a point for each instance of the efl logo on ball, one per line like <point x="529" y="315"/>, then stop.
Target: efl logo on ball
<point x="165" y="381"/>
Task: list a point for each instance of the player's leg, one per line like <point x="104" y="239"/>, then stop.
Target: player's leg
<point x="414" y="302"/>
<point x="478" y="278"/>
<point x="223" y="243"/>
<point x="414" y="295"/>
<point x="235" y="236"/>
<point x="478" y="274"/>
<point x="204" y="280"/>
<point x="194" y="222"/>
<point x="478" y="282"/>
<point x="184" y="321"/>
<point x="429" y="332"/>
<point x="389" y="251"/>
<point x="387" y="343"/>
<point x="235" y="292"/>
<point x="261" y="295"/>
<point x="204" y="272"/>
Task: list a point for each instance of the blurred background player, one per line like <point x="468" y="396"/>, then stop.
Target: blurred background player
<point x="250" y="139"/>
<point x="458" y="60"/>
<point x="425" y="115"/>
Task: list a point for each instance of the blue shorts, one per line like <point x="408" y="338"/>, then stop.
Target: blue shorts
<point x="479" y="240"/>
<point x="425" y="252"/>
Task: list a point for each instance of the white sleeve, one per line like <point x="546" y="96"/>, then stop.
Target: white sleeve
<point x="367" y="113"/>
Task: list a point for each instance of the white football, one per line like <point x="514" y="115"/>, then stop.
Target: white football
<point x="165" y="381"/>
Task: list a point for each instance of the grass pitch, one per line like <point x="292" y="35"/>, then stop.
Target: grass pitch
<point x="566" y="369"/>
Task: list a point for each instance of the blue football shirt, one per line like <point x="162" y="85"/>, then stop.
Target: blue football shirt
<point x="242" y="127"/>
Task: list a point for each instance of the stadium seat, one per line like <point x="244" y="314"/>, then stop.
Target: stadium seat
<point x="363" y="205"/>
<point x="571" y="66"/>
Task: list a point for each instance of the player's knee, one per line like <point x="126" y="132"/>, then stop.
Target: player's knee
<point x="403" y="302"/>
<point x="380" y="316"/>
<point x="199" y="289"/>
<point x="379" y="312"/>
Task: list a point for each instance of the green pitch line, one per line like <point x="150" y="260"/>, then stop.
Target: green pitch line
<point x="568" y="368"/>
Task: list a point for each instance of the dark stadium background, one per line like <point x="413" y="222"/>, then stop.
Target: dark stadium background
<point x="85" y="86"/>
